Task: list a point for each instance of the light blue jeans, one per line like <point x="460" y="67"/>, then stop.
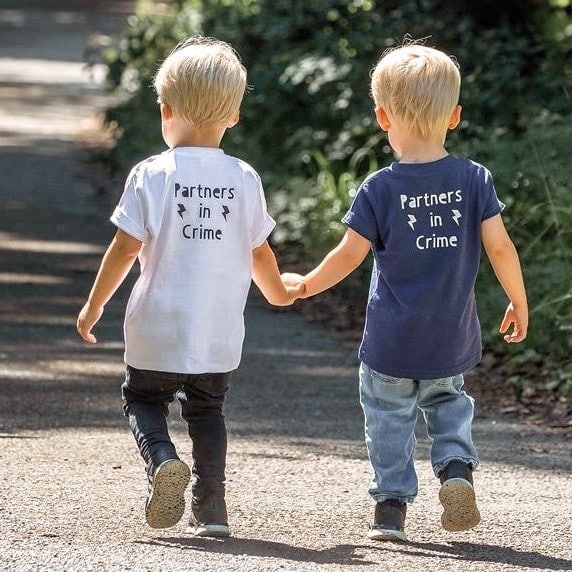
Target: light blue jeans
<point x="390" y="406"/>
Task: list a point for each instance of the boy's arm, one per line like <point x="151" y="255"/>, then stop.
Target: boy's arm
<point x="266" y="276"/>
<point x="504" y="260"/>
<point x="117" y="261"/>
<point x="338" y="263"/>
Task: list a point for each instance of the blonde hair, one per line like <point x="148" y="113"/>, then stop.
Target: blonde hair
<point x="418" y="85"/>
<point x="203" y="81"/>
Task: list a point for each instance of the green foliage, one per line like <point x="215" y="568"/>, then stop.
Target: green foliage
<point x="131" y="65"/>
<point x="319" y="202"/>
<point x="532" y="176"/>
<point x="308" y="124"/>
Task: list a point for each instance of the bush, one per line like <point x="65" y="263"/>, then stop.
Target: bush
<point x="308" y="124"/>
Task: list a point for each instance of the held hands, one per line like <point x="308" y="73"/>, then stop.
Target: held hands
<point x="518" y="317"/>
<point x="88" y="317"/>
<point x="294" y="284"/>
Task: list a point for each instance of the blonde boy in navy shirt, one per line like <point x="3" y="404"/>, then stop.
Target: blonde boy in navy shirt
<point x="424" y="218"/>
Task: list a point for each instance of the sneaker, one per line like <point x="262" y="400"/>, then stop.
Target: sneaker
<point x="165" y="504"/>
<point x="457" y="496"/>
<point x="389" y="521"/>
<point x="209" y="517"/>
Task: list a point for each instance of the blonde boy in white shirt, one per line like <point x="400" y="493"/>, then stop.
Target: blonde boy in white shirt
<point x="196" y="219"/>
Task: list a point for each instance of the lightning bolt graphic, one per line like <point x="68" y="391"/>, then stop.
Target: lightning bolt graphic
<point x="412" y="221"/>
<point x="456" y="216"/>
<point x="181" y="209"/>
<point x="225" y="211"/>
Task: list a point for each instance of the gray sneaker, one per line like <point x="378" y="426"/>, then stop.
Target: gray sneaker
<point x="457" y="495"/>
<point x="209" y="517"/>
<point x="165" y="504"/>
<point x="389" y="521"/>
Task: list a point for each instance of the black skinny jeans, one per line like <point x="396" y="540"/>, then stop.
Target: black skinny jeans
<point x="146" y="396"/>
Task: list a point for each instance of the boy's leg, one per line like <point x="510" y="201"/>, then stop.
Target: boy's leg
<point x="448" y="411"/>
<point x="146" y="396"/>
<point x="390" y="410"/>
<point x="202" y="400"/>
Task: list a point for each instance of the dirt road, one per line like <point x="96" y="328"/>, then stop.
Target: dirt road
<point x="73" y="486"/>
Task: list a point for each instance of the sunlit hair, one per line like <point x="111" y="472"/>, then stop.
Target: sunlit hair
<point x="202" y="80"/>
<point x="418" y="85"/>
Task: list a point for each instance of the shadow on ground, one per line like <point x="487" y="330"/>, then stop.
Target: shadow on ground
<point x="349" y="555"/>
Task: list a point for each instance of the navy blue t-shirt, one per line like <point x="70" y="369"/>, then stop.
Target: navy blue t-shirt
<point x="424" y="223"/>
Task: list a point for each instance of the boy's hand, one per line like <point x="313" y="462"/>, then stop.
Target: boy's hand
<point x="294" y="284"/>
<point x="86" y="320"/>
<point x="518" y="317"/>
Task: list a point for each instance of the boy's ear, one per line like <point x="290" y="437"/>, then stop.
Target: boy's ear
<point x="455" y="117"/>
<point x="382" y="118"/>
<point x="233" y="120"/>
<point x="166" y="111"/>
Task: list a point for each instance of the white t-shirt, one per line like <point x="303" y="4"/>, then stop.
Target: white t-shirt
<point x="199" y="214"/>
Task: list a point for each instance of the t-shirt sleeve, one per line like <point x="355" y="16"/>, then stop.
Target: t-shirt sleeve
<point x="360" y="216"/>
<point x="129" y="213"/>
<point x="261" y="223"/>
<point x="492" y="206"/>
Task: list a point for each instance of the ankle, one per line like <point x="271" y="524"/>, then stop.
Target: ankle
<point x="456" y="469"/>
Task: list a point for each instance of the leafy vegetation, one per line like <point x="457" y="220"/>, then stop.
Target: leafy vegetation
<point x="308" y="124"/>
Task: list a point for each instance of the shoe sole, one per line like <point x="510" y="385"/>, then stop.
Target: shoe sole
<point x="213" y="530"/>
<point x="386" y="535"/>
<point x="460" y="510"/>
<point x="166" y="504"/>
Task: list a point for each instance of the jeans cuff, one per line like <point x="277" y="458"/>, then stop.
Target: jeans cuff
<point x="471" y="461"/>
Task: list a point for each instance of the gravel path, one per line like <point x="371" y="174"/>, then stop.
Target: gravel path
<point x="73" y="484"/>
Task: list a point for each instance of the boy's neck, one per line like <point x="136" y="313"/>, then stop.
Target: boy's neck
<point x="198" y="138"/>
<point x="179" y="133"/>
<point x="422" y="151"/>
